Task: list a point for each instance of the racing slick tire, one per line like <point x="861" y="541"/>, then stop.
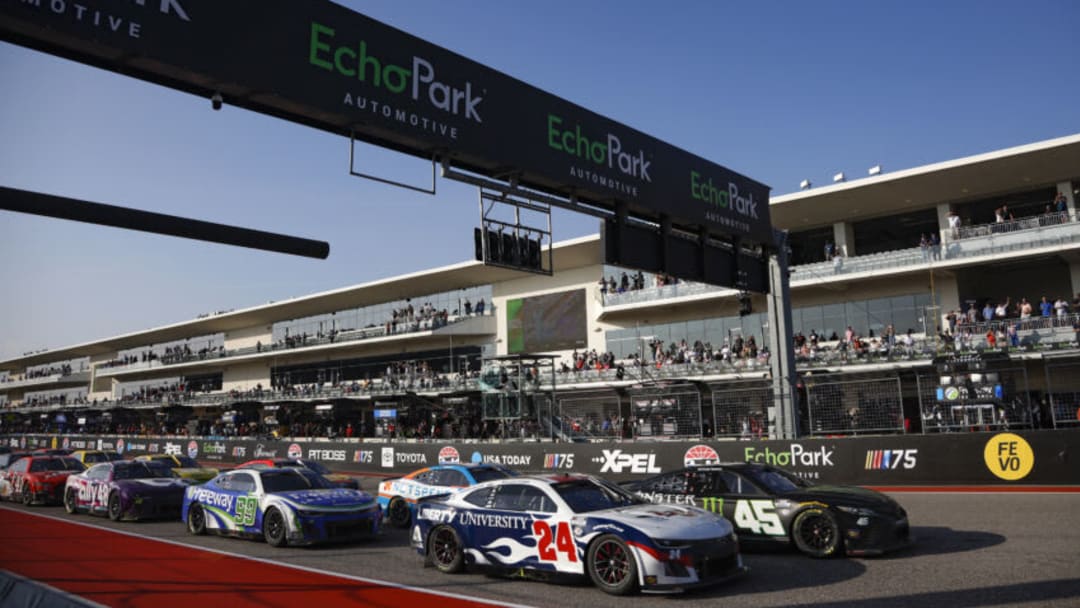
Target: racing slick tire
<point x="612" y="566"/>
<point x="196" y="520"/>
<point x="275" y="528"/>
<point x="26" y="495"/>
<point x="445" y="550"/>
<point x="398" y="511"/>
<point x="115" y="513"/>
<point x="70" y="501"/>
<point x="816" y="532"/>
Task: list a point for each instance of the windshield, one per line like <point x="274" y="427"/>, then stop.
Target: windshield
<point x="777" y="481"/>
<point x="186" y="462"/>
<point x="94" y="457"/>
<point x="289" y="479"/>
<point x="487" y="474"/>
<point x="142" y="470"/>
<point x="584" y="495"/>
<point x="317" y="467"/>
<point x="55" y="464"/>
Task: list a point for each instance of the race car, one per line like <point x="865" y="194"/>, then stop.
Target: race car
<point x="546" y="526"/>
<point x="770" y="505"/>
<point x="37" y="478"/>
<point x="184" y="466"/>
<point x="398" y="496"/>
<point x="126" y="489"/>
<point x="286" y="506"/>
<point x="338" y="479"/>
<point x="92" y="457"/>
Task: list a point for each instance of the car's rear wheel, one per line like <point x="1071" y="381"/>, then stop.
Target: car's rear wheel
<point x="274" y="528"/>
<point x="445" y="550"/>
<point x="399" y="513"/>
<point x="71" y="501"/>
<point x="115" y="513"/>
<point x="611" y="566"/>
<point x="816" y="532"/>
<point x="196" y="520"/>
<point x="26" y="495"/>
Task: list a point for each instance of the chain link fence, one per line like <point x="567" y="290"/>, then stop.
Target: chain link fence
<point x="992" y="399"/>
<point x="1063" y="392"/>
<point x="666" y="412"/>
<point x="743" y="410"/>
<point x="848" y="406"/>
<point x="591" y="415"/>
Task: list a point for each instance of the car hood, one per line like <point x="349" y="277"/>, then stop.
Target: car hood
<point x="668" y="521"/>
<point x="329" y="498"/>
<point x="852" y="496"/>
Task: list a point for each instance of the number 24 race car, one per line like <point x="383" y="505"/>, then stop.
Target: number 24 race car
<point x="576" y="525"/>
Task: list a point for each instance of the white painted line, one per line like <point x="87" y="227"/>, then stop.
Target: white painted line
<point x="361" y="579"/>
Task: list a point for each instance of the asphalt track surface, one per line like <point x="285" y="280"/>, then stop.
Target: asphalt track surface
<point x="972" y="549"/>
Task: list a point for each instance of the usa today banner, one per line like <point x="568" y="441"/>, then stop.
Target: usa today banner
<point x="321" y="64"/>
<point x="1021" y="458"/>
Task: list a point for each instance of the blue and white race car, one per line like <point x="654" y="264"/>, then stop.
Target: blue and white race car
<point x="580" y="525"/>
<point x="291" y="505"/>
<point x="398" y="496"/>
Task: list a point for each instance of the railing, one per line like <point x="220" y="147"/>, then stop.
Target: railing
<point x="51" y="379"/>
<point x="352" y="335"/>
<point x="974" y="241"/>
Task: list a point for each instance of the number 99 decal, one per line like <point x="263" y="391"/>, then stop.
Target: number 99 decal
<point x="246" y="508"/>
<point x="758" y="516"/>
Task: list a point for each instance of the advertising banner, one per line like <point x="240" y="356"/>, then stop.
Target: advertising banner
<point x="1006" y="458"/>
<point x="321" y="64"/>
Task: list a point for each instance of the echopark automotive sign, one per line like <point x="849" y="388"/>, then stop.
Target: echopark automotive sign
<point x="319" y="63"/>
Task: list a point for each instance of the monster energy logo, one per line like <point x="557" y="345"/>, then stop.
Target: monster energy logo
<point x="712" y="503"/>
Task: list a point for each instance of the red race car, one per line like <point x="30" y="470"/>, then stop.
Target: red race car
<point x="41" y="479"/>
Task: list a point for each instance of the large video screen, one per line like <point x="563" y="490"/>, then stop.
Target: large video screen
<point x="554" y="321"/>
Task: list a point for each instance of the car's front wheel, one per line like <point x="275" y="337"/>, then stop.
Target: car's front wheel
<point x="196" y="520"/>
<point x="816" y="532"/>
<point x="399" y="513"/>
<point x="115" y="512"/>
<point x="274" y="528"/>
<point x="445" y="550"/>
<point x="26" y="495"/>
<point x="611" y="566"/>
<point x="71" y="501"/>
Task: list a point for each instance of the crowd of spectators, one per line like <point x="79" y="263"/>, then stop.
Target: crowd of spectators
<point x="634" y="282"/>
<point x="40" y="372"/>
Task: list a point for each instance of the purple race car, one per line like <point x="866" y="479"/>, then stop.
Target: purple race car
<point x="126" y="489"/>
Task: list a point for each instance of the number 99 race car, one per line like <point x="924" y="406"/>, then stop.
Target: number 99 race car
<point x="542" y="526"/>
<point x="770" y="505"/>
<point x="291" y="505"/>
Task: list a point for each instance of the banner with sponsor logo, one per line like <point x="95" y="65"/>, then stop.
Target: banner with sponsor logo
<point x="318" y="63"/>
<point x="1007" y="458"/>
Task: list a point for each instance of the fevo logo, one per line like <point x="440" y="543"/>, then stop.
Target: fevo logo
<point x="1009" y="456"/>
<point x="699" y="455"/>
<point x="192" y="449"/>
<point x="295" y="451"/>
<point x="119" y="446"/>
<point x="449" y="455"/>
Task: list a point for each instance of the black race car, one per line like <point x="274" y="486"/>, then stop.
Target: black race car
<point x="770" y="505"/>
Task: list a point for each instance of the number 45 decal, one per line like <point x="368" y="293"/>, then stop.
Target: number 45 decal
<point x="759" y="516"/>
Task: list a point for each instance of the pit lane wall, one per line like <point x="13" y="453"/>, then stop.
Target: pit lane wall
<point x="1005" y="458"/>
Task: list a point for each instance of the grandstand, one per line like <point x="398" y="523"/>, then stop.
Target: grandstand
<point x="891" y="334"/>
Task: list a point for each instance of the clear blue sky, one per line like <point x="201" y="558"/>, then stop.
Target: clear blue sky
<point x="778" y="91"/>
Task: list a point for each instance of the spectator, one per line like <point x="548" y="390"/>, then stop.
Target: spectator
<point x="924" y="244"/>
<point x="1045" y="307"/>
<point x="935" y="246"/>
<point x="954" y="225"/>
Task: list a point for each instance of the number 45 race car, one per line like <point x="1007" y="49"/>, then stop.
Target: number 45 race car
<point x="770" y="505"/>
<point x="577" y="525"/>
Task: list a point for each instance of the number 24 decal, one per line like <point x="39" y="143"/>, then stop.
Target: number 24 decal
<point x="564" y="543"/>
